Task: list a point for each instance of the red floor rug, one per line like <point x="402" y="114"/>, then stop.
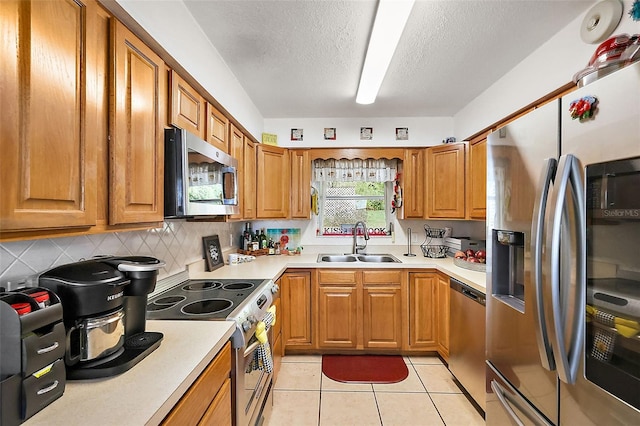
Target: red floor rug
<point x="365" y="368"/>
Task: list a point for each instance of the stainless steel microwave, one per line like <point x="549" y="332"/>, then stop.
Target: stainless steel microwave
<point x="199" y="179"/>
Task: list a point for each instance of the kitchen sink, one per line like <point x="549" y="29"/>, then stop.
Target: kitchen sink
<point x="372" y="258"/>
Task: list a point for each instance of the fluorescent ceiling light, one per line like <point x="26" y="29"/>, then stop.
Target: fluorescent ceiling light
<point x="391" y="18"/>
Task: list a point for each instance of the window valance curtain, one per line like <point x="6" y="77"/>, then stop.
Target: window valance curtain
<point x="369" y="170"/>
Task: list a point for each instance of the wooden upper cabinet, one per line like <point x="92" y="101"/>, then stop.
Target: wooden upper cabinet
<point x="236" y="149"/>
<point x="446" y="181"/>
<point x="272" y="182"/>
<point x="217" y="128"/>
<point x="187" y="107"/>
<point x="48" y="143"/>
<point x="477" y="178"/>
<point x="413" y="182"/>
<point x="137" y="134"/>
<point x="250" y="158"/>
<point x="300" y="184"/>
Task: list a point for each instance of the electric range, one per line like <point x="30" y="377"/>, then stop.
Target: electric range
<point x="243" y="301"/>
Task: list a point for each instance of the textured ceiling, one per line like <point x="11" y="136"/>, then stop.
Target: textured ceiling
<point x="303" y="58"/>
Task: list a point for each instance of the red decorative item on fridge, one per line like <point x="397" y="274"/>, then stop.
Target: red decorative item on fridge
<point x="584" y="108"/>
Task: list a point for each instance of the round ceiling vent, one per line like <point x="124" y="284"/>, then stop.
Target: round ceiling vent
<point x="600" y="21"/>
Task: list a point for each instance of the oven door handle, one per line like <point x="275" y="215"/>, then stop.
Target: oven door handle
<point x="251" y="348"/>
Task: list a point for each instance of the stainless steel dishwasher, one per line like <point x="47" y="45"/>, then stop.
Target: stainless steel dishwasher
<point x="467" y="333"/>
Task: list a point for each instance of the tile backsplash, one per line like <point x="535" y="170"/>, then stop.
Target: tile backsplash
<point x="177" y="242"/>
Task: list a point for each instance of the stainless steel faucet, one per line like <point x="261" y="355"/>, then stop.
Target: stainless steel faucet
<point x="357" y="248"/>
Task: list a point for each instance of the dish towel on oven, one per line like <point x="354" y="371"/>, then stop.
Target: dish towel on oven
<point x="262" y="359"/>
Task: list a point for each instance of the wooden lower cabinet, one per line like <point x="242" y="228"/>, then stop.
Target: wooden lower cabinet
<point x="295" y="291"/>
<point x="443" y="315"/>
<point x="423" y="288"/>
<point x="276" y="350"/>
<point x="208" y="400"/>
<point x="360" y="309"/>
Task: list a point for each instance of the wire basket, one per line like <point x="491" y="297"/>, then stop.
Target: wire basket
<point x="434" y="251"/>
<point x="433" y="232"/>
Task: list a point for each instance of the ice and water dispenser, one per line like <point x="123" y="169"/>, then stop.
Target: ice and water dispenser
<point x="508" y="267"/>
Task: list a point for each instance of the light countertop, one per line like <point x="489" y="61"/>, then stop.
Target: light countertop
<point x="146" y="393"/>
<point x="265" y="267"/>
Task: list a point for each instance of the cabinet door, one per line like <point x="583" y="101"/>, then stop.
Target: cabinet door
<point x="187" y="107"/>
<point x="337" y="316"/>
<point x="272" y="182"/>
<point x="422" y="312"/>
<point x="300" y="184"/>
<point x="413" y="182"/>
<point x="382" y="309"/>
<point x="443" y="316"/>
<point x="477" y="178"/>
<point x="137" y="141"/>
<point x="48" y="120"/>
<point x="236" y="144"/>
<point x="219" y="412"/>
<point x="445" y="181"/>
<point x="217" y="128"/>
<point x="295" y="290"/>
<point x="250" y="157"/>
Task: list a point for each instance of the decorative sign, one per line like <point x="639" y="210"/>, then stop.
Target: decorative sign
<point x="346" y="229"/>
<point x="402" y="133"/>
<point x="269" y="139"/>
<point x="296" y="134"/>
<point x="212" y="252"/>
<point x="366" y="133"/>
<point x="288" y="238"/>
<point x="329" y="133"/>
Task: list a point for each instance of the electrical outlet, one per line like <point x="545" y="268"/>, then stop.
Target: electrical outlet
<point x="230" y="240"/>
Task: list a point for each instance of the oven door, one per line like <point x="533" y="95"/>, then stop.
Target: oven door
<point x="252" y="387"/>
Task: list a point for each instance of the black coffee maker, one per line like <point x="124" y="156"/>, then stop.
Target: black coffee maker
<point x="104" y="308"/>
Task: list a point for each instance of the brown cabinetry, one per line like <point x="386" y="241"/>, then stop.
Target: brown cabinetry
<point x="337" y="308"/>
<point x="443" y="315"/>
<point x="382" y="309"/>
<point x="236" y="149"/>
<point x="423" y="287"/>
<point x="273" y="171"/>
<point x="217" y="128"/>
<point x="413" y="183"/>
<point x="446" y="181"/>
<point x="187" y="106"/>
<point x="208" y="400"/>
<point x="137" y="133"/>
<point x="48" y="120"/>
<point x="476" y="188"/>
<point x="295" y="290"/>
<point x="300" y="184"/>
<point x="249" y="182"/>
<point x="360" y="309"/>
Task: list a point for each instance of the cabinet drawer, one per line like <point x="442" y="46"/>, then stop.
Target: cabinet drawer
<point x="192" y="406"/>
<point x="337" y="277"/>
<point x="219" y="412"/>
<point x="382" y="277"/>
<point x="38" y="392"/>
<point x="39" y="350"/>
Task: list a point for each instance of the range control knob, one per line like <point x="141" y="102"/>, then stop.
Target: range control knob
<point x="275" y="289"/>
<point x="246" y="326"/>
<point x="252" y="319"/>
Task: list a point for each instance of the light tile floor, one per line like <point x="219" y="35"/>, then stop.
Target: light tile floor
<point x="428" y="396"/>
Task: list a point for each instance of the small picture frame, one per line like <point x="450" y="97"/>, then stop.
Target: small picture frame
<point x="329" y="133"/>
<point x="212" y="252"/>
<point x="366" y="133"/>
<point x="296" y="134"/>
<point x="402" y="133"/>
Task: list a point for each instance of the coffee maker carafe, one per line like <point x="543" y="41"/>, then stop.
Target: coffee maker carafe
<point x="104" y="307"/>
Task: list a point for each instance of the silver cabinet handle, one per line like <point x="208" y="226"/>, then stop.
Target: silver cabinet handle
<point x="499" y="391"/>
<point x="537" y="241"/>
<point x="49" y="388"/>
<point x="570" y="182"/>
<point x="41" y="351"/>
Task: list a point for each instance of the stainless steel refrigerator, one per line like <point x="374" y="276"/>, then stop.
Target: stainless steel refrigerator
<point x="563" y="260"/>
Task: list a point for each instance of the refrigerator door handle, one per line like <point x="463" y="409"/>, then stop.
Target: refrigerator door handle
<point x="567" y="356"/>
<point x="537" y="241"/>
